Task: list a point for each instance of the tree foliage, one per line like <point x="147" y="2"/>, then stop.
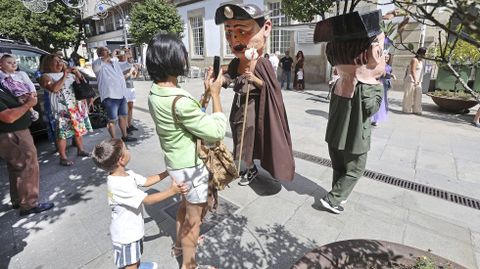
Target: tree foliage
<point x="305" y="10"/>
<point x="152" y="17"/>
<point x="58" y="28"/>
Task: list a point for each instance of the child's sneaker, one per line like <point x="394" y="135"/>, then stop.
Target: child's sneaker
<point x="148" y="265"/>
<point x="34" y="115"/>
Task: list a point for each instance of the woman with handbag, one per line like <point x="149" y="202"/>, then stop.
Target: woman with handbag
<point x="71" y="115"/>
<point x="179" y="121"/>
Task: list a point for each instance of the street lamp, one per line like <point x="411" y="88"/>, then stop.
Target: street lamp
<point x="102" y="12"/>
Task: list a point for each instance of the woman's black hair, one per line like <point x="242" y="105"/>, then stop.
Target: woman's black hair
<point x="421" y="52"/>
<point x="166" y="56"/>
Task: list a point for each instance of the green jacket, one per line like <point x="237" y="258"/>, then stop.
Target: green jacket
<point x="349" y="125"/>
<point x="177" y="143"/>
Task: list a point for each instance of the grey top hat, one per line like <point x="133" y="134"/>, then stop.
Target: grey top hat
<point x="348" y="27"/>
<point x="239" y="12"/>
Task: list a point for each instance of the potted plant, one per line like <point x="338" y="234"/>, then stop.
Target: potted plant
<point x="450" y="94"/>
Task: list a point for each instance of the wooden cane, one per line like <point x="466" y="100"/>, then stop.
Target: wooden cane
<point x="244" y="122"/>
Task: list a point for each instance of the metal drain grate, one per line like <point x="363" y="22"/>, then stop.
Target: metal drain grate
<point x="402" y="183"/>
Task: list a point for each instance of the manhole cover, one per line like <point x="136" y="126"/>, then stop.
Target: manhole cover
<point x="224" y="210"/>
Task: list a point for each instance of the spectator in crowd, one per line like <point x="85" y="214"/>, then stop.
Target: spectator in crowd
<point x="130" y="71"/>
<point x="275" y="61"/>
<point x="286" y="64"/>
<point x="382" y="112"/>
<point x="17" y="82"/>
<point x="71" y="115"/>
<point x="127" y="200"/>
<point x="178" y="119"/>
<point x="19" y="152"/>
<point x="476" y="119"/>
<point x="112" y="88"/>
<point x="412" y="96"/>
<point x="299" y="66"/>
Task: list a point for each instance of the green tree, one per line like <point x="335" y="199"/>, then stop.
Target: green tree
<point x="152" y="17"/>
<point x="305" y="10"/>
<point x="58" y="28"/>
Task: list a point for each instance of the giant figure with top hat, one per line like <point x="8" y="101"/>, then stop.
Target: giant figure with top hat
<point x="266" y="132"/>
<point x="355" y="49"/>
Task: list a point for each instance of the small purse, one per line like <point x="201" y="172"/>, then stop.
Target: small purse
<point x="83" y="90"/>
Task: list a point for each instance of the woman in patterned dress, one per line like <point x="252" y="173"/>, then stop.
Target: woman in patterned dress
<point x="71" y="115"/>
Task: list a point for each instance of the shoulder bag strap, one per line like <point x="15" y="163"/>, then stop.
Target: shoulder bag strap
<point x="198" y="141"/>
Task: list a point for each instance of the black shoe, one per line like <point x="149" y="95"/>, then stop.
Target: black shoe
<point x="39" y="208"/>
<point x="131" y="128"/>
<point x="15" y="206"/>
<point x="248" y="176"/>
<point x="328" y="205"/>
<point x="128" y="139"/>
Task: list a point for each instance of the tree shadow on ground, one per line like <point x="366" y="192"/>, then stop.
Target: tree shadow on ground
<point x="433" y="112"/>
<point x="64" y="186"/>
<point x="234" y="245"/>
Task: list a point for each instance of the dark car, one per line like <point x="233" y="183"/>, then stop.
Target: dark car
<point x="28" y="59"/>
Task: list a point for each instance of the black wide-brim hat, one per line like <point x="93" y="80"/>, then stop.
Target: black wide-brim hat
<point x="238" y="12"/>
<point x="348" y="27"/>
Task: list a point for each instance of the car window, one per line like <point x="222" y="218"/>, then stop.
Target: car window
<point x="28" y="61"/>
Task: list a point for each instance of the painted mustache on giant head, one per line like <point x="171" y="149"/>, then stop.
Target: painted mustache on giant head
<point x="239" y="47"/>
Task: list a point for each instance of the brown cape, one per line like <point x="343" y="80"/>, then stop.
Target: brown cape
<point x="272" y="143"/>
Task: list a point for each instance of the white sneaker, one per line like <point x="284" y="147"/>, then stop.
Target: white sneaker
<point x="148" y="265"/>
<point x="327" y="204"/>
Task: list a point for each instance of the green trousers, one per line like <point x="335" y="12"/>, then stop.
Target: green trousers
<point x="347" y="169"/>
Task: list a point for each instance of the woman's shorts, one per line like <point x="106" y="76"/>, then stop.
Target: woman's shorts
<point x="127" y="254"/>
<point x="130" y="95"/>
<point x="196" y="179"/>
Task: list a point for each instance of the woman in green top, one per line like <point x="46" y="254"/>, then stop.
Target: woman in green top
<point x="166" y="60"/>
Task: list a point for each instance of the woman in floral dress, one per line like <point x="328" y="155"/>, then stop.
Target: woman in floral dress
<point x="71" y="115"/>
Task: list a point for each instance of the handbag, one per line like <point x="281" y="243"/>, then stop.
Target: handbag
<point x="217" y="159"/>
<point x="83" y="90"/>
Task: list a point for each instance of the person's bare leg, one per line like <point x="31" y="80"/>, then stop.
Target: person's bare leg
<point x="179" y="224"/>
<point x="79" y="143"/>
<point x="130" y="113"/>
<point x="111" y="128"/>
<point x="62" y="148"/>
<point x="190" y="233"/>
<point x="131" y="266"/>
<point x="122" y="123"/>
<point x="476" y="119"/>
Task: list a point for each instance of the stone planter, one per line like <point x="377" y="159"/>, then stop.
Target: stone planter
<point x="453" y="105"/>
<point x="367" y="254"/>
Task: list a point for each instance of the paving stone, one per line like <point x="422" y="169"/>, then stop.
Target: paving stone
<point x="378" y="208"/>
<point x="439" y="163"/>
<point x="440" y="181"/>
<point x="388" y="193"/>
<point x="319" y="226"/>
<point x="398" y="156"/>
<point x="466" y="171"/>
<point x="269" y="210"/>
<point x="458" y="251"/>
<point x="439" y="226"/>
<point x="476" y="241"/>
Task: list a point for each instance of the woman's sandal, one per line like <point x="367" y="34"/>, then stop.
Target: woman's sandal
<point x="176" y="251"/>
<point x="66" y="162"/>
<point x="83" y="153"/>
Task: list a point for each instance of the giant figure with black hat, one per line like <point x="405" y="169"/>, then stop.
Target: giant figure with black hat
<point x="266" y="133"/>
<point x="355" y="49"/>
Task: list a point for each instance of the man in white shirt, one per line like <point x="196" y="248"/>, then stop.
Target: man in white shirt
<point x="112" y="88"/>
<point x="274" y="60"/>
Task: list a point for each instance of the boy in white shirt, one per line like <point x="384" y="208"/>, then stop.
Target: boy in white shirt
<point x="126" y="201"/>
